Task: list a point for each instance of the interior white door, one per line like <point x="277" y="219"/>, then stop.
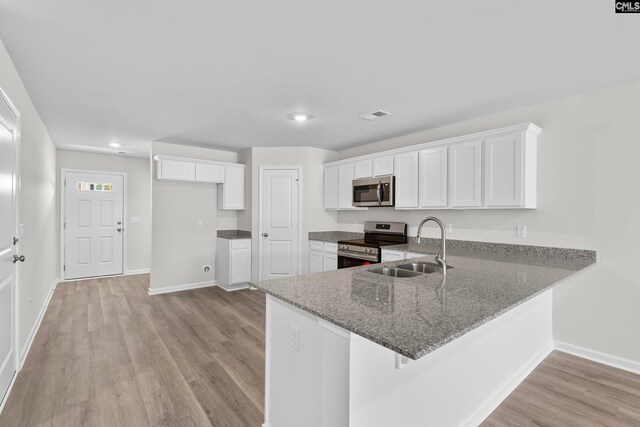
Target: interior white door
<point x="8" y="200"/>
<point x="279" y="223"/>
<point x="94" y="225"/>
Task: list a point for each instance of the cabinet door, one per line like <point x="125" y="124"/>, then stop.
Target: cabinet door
<point x="240" y="266"/>
<point x="503" y="168"/>
<point x="330" y="262"/>
<point x="364" y="169"/>
<point x="465" y="174"/>
<point x="231" y="196"/>
<point x="406" y="167"/>
<point x="209" y="173"/>
<point x="345" y="186"/>
<point x="331" y="187"/>
<point x="316" y="261"/>
<point x="389" y="255"/>
<point x="433" y="177"/>
<point x="383" y="166"/>
<point x="176" y="170"/>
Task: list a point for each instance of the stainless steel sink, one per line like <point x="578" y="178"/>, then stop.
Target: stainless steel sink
<point x="395" y="272"/>
<point x="423" y="267"/>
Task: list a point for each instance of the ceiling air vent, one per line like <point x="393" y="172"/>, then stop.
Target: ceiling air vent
<point x="375" y="115"/>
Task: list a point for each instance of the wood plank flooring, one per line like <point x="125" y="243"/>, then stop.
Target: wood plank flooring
<point x="108" y="354"/>
<point x="568" y="391"/>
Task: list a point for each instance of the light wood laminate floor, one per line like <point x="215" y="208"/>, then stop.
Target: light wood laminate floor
<point x="108" y="354"/>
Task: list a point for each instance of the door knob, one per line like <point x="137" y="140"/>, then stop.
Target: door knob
<point x="265" y="234"/>
<point x="119" y="222"/>
<point x="17" y="258"/>
<point x="119" y="229"/>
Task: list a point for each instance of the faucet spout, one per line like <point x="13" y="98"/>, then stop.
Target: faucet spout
<point x="441" y="256"/>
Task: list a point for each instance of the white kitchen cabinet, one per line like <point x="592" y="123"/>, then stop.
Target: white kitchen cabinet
<point x="510" y="170"/>
<point x="389" y="255"/>
<point x="363" y="169"/>
<point x="231" y="193"/>
<point x="433" y="177"/>
<point x="233" y="263"/>
<point x="465" y="174"/>
<point x="345" y="185"/>
<point x="175" y="170"/>
<point x="331" y="187"/>
<point x="209" y="173"/>
<point x="406" y="167"/>
<point x="330" y="260"/>
<point x="323" y="256"/>
<point x="383" y="166"/>
<point x="228" y="176"/>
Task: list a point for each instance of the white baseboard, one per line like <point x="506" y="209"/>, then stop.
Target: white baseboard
<point x="185" y="287"/>
<point x="499" y="396"/>
<point x="36" y="325"/>
<point x="596" y="356"/>
<point x="139" y="271"/>
<point x="6" y="395"/>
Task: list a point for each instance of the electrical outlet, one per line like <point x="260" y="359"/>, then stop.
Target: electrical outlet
<point x="294" y="337"/>
<point x="206" y="268"/>
<point x="199" y="222"/>
<point x="448" y="228"/>
<point x="521" y="231"/>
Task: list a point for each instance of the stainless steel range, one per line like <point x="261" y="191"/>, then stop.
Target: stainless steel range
<point x="353" y="253"/>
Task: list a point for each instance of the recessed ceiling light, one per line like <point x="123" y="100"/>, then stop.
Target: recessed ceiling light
<point x="114" y="144"/>
<point x="300" y="117"/>
<point x="375" y="115"/>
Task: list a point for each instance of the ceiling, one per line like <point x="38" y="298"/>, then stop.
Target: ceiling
<point x="226" y="74"/>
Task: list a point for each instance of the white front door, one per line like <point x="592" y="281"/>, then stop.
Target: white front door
<point x="8" y="199"/>
<point x="279" y="223"/>
<point x="93" y="224"/>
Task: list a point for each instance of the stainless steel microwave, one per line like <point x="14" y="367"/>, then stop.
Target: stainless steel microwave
<point x="374" y="191"/>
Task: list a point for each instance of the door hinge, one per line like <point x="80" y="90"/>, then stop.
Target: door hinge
<point x="64" y="268"/>
<point x="65" y="225"/>
<point x="15" y="241"/>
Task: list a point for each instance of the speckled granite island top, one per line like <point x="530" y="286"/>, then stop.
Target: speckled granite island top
<point x="415" y="316"/>
<point x="234" y="234"/>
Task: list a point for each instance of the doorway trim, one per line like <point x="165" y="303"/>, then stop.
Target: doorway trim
<point x="17" y="279"/>
<point x="300" y="204"/>
<point x="125" y="217"/>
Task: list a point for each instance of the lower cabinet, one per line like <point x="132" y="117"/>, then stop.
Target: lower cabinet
<point x="389" y="255"/>
<point x="323" y="256"/>
<point x="233" y="263"/>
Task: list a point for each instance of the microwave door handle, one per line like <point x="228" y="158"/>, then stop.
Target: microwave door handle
<point x="379" y="191"/>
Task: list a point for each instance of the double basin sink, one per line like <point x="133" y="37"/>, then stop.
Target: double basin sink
<point x="413" y="269"/>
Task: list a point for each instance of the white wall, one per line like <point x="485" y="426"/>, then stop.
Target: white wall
<point x="37" y="203"/>
<point x="139" y="197"/>
<point x="180" y="249"/>
<point x="314" y="217"/>
<point x="587" y="198"/>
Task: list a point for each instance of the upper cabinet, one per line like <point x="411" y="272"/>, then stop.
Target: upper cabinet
<point x="465" y="174"/>
<point x="510" y="170"/>
<point x="494" y="169"/>
<point x="433" y="177"/>
<point x="228" y="176"/>
<point x="406" y="166"/>
<point x="383" y="166"/>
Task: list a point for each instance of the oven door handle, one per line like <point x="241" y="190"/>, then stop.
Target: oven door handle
<point x="379" y="193"/>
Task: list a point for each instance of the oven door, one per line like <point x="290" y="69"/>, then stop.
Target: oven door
<point x="347" y="261"/>
<point x="374" y="191"/>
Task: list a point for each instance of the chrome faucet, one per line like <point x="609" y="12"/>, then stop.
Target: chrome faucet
<point x="442" y="254"/>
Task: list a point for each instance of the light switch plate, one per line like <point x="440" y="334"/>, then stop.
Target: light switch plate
<point x="294" y="337"/>
<point x="521" y="231"/>
<point x="134" y="220"/>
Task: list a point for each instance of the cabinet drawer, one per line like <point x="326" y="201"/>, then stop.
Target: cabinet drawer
<point x="314" y="245"/>
<point x="240" y="244"/>
<point x="331" y="248"/>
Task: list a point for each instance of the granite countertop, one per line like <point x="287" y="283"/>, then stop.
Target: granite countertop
<point x="234" y="234"/>
<point x="415" y="316"/>
<point x="334" y="236"/>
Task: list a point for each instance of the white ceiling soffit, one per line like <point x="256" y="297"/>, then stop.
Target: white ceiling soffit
<point x="226" y="74"/>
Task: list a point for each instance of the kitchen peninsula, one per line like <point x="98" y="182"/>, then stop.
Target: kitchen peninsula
<point x="355" y="348"/>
